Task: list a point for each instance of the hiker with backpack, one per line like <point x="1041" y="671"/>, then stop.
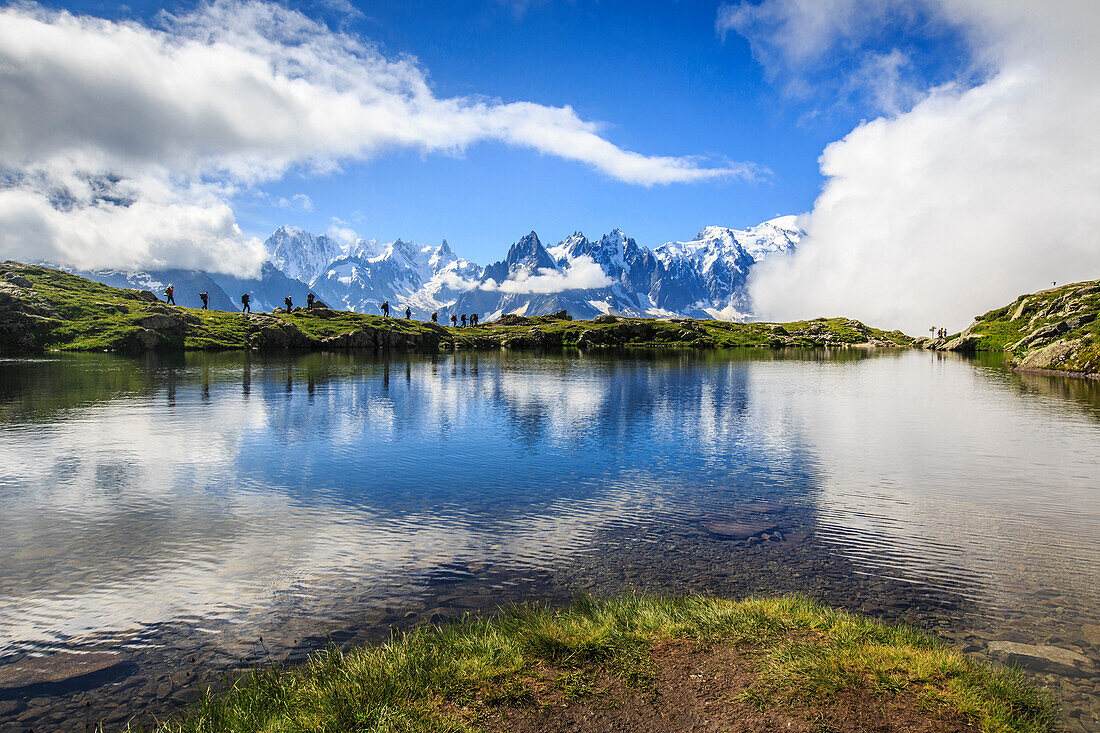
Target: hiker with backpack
<point x="246" y="303"/>
<point x="169" y="294"/>
<point x="309" y="301"/>
<point x="473" y="319"/>
<point x="385" y="307"/>
<point x="435" y="317"/>
<point x="289" y="303"/>
<point x="205" y="298"/>
<point x="454" y="320"/>
<point x="408" y="314"/>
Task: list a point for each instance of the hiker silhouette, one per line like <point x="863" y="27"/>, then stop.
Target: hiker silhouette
<point x="246" y="303"/>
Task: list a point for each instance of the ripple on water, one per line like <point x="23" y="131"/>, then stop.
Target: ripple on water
<point x="184" y="509"/>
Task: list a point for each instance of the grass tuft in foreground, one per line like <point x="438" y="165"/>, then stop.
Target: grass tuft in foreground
<point x="449" y="678"/>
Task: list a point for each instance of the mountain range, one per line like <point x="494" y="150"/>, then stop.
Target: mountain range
<point x="704" y="277"/>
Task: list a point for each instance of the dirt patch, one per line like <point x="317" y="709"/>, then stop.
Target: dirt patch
<point x="695" y="688"/>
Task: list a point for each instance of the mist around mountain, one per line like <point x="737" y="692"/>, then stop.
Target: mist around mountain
<point x="704" y="277"/>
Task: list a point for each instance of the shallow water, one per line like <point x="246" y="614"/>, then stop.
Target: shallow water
<point x="182" y="516"/>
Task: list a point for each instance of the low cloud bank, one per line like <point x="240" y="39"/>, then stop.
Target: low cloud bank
<point x="178" y="118"/>
<point x="582" y="273"/>
<point x="973" y="195"/>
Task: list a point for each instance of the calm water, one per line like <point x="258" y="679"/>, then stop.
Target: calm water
<point x="158" y="517"/>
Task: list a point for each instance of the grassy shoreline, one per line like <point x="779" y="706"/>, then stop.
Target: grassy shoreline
<point x="46" y="309"/>
<point x="804" y="660"/>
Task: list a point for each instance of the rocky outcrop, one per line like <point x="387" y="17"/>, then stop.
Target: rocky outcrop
<point x="1054" y="330"/>
<point x="25" y="319"/>
<point x="1050" y="356"/>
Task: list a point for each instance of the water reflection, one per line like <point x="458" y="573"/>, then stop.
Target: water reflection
<point x="232" y="494"/>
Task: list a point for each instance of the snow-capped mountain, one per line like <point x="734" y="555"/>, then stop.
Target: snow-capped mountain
<point x="702" y="277"/>
<point x="301" y="256"/>
<point x="723" y="257"/>
<point x="421" y="277"/>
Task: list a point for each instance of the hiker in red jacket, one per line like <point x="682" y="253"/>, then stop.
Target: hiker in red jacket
<point x="169" y="292"/>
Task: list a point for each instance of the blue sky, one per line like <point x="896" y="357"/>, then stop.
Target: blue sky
<point x="925" y="139"/>
<point x="657" y="74"/>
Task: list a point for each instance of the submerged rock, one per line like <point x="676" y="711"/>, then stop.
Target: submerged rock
<point x="1039" y="657"/>
<point x="60" y="673"/>
<point x="735" y="529"/>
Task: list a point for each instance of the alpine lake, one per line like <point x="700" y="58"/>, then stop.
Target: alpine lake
<point x="165" y="522"/>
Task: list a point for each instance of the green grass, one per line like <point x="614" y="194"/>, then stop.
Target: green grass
<point x="676" y="333"/>
<point x="95" y="317"/>
<point x="90" y="316"/>
<point x="446" y="678"/>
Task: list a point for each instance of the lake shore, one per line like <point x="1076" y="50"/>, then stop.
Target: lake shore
<point x="637" y="663"/>
<point x="45" y="309"/>
<point x="1055" y="331"/>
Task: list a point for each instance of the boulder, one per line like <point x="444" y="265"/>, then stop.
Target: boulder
<point x="362" y="339"/>
<point x="144" y="339"/>
<point x="1051" y="356"/>
<point x="279" y="335"/>
<point x="966" y="343"/>
<point x="591" y="337"/>
<point x="145" y="296"/>
<point x="606" y="319"/>
<point x="163" y="322"/>
<point x="1039" y="657"/>
<point x="633" y="331"/>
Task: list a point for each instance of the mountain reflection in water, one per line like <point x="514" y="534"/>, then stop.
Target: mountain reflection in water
<point x="228" y="493"/>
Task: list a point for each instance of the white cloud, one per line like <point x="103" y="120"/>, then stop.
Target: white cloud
<point x="974" y="195"/>
<point x="297" y="202"/>
<point x="144" y="223"/>
<point x="581" y="273"/>
<point x="454" y="281"/>
<point x="236" y="93"/>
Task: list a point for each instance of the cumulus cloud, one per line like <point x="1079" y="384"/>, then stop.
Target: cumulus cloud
<point x="976" y="193"/>
<point x="297" y="202"/>
<point x="231" y="95"/>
